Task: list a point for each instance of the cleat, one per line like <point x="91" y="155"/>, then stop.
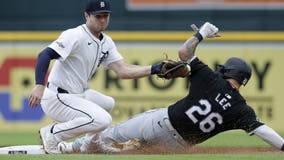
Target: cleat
<point x="49" y="141"/>
<point x="66" y="147"/>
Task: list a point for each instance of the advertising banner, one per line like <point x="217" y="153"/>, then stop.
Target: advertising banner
<point x="263" y="92"/>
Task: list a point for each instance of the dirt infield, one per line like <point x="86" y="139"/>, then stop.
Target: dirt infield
<point x="204" y="150"/>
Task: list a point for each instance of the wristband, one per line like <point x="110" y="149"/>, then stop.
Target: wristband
<point x="156" y="68"/>
<point x="198" y="36"/>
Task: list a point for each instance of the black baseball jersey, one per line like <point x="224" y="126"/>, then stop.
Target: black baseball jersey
<point x="212" y="106"/>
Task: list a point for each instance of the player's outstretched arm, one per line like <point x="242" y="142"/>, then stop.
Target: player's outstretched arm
<point x="270" y="136"/>
<point x="128" y="71"/>
<point x="187" y="50"/>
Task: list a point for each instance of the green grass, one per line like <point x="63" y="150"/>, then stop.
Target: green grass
<point x="18" y="138"/>
<point x="234" y="139"/>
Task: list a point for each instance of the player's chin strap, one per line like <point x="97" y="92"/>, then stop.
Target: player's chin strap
<point x="270" y="136"/>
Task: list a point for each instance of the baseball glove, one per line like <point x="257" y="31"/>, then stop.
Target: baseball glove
<point x="173" y="69"/>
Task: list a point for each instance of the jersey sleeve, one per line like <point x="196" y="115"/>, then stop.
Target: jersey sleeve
<point x="248" y="121"/>
<point x="113" y="55"/>
<point x="65" y="43"/>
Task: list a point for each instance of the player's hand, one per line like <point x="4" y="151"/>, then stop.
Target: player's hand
<point x="36" y="95"/>
<point x="207" y="30"/>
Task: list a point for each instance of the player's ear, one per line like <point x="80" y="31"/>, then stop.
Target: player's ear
<point x="86" y="15"/>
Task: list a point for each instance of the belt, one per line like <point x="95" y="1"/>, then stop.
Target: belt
<point x="55" y="88"/>
<point x="169" y="124"/>
<point x="174" y="132"/>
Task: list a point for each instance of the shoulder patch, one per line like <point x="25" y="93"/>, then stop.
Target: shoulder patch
<point x="60" y="44"/>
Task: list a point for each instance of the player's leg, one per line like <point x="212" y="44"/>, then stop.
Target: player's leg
<point x="122" y="132"/>
<point x="150" y="127"/>
<point x="77" y="145"/>
<point x="134" y="128"/>
<point x="100" y="99"/>
<point x="77" y="116"/>
<point x="137" y="127"/>
<point x="88" y="143"/>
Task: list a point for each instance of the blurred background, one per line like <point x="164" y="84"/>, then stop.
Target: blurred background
<point x="144" y="30"/>
<point x="158" y="15"/>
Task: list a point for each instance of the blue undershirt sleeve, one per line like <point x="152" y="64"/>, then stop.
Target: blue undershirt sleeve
<point x="42" y="64"/>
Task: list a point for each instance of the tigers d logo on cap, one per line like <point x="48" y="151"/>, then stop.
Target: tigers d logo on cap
<point x="102" y="4"/>
<point x="98" y="6"/>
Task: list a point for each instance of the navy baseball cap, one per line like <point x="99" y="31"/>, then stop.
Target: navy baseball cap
<point x="98" y="6"/>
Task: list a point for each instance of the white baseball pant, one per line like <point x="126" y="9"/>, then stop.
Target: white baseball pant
<point x="77" y="114"/>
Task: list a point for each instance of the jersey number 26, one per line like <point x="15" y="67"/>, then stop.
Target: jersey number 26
<point x="208" y="123"/>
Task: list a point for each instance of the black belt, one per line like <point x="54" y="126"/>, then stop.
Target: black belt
<point x="59" y="90"/>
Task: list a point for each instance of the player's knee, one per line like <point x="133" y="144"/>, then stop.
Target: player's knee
<point x="106" y="121"/>
<point x="103" y="121"/>
<point x="110" y="104"/>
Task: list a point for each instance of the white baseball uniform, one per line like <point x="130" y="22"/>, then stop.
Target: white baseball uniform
<point x="81" y="110"/>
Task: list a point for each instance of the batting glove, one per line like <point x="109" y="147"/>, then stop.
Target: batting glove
<point x="207" y="30"/>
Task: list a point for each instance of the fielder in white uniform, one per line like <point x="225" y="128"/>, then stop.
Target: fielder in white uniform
<point x="66" y="97"/>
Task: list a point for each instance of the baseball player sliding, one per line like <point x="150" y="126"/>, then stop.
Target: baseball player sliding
<point x="66" y="97"/>
<point x="213" y="105"/>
